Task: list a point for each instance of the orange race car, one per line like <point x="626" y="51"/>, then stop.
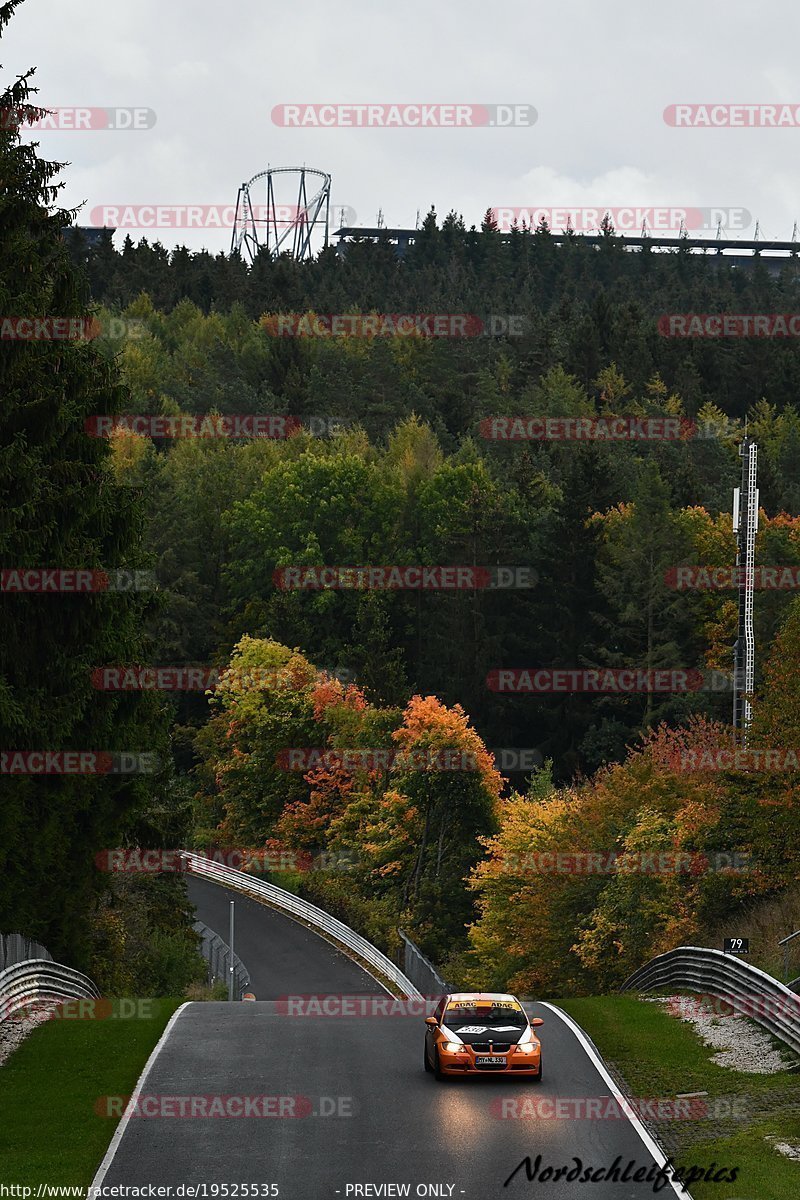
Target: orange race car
<point x="482" y="1031"/>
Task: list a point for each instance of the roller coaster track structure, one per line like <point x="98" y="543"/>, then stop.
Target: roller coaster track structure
<point x="277" y="227"/>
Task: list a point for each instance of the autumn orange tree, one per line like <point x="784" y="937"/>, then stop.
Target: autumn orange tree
<point x="407" y="820"/>
<point x="648" y="861"/>
<point x="397" y="796"/>
<point x="350" y="738"/>
<point x="422" y="831"/>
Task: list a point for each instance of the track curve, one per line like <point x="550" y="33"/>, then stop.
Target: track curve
<point x="351" y="1113"/>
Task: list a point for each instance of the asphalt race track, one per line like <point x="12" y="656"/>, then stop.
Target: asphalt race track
<point x="351" y="1104"/>
<point x="282" y="956"/>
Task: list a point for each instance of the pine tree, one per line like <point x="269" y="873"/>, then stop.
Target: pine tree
<point x="62" y="510"/>
<point x="647" y="626"/>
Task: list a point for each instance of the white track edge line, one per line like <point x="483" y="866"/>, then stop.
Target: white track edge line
<point x="588" y="1045"/>
<point x="108" y="1158"/>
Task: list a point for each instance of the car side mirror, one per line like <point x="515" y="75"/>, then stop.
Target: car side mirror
<point x="431" y="1021"/>
<point x="537" y="1021"/>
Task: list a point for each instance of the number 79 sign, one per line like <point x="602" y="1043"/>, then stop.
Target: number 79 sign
<point x="736" y="945"/>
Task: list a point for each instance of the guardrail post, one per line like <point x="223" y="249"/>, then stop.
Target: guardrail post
<point x="785" y="943"/>
<point x="230" y="957"/>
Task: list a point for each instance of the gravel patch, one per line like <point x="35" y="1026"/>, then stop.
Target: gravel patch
<point x="785" y="1149"/>
<point x="15" y="1029"/>
<point x="740" y="1044"/>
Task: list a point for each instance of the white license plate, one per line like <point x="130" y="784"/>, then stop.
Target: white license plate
<point x="489" y="1061"/>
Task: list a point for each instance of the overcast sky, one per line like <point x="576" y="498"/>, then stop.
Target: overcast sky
<point x="599" y="77"/>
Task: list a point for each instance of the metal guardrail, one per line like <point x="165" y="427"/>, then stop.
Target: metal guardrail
<point x="39" y="980"/>
<point x="335" y="931"/>
<point x="748" y="990"/>
<point x="216" y="952"/>
<point x="15" y="948"/>
<point x="421" y="970"/>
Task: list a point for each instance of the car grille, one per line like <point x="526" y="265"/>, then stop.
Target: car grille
<point x="491" y="1047"/>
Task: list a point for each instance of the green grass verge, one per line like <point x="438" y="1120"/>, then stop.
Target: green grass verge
<point x="49" y="1130"/>
<point x="765" y="1175"/>
<point x="661" y="1056"/>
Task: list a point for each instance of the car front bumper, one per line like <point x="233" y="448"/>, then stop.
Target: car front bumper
<point x="464" y="1063"/>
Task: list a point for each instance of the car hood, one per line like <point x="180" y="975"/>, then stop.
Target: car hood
<point x="478" y="1032"/>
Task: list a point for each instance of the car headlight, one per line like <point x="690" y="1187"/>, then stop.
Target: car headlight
<point x="526" y="1048"/>
<point x="454" y="1047"/>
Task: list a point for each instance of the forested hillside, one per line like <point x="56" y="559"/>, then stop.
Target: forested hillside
<point x="390" y="460"/>
<point x="583" y="308"/>
<point x="397" y="454"/>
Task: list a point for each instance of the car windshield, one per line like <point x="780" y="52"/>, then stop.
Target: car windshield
<point x="473" y="1014"/>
